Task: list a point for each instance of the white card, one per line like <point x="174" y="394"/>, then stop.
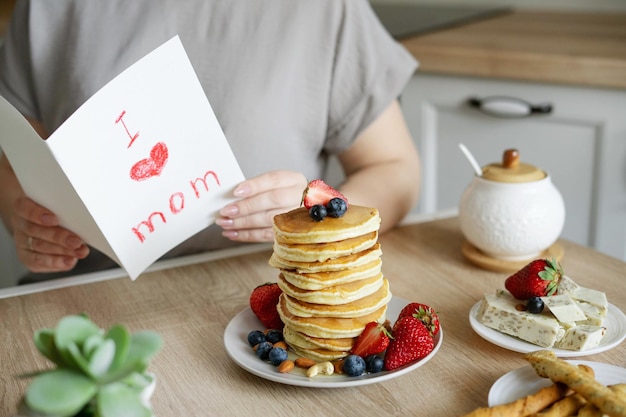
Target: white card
<point x="138" y="168"/>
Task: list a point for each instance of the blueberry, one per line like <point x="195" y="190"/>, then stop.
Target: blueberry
<point x="353" y="365"/>
<point x="274" y="336"/>
<point x="263" y="350"/>
<point x="534" y="305"/>
<point x="374" y="364"/>
<point x="336" y="207"/>
<point x="255" y="337"/>
<point x="277" y="356"/>
<point x="318" y="212"/>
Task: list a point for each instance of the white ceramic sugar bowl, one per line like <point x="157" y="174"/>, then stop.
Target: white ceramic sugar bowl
<point x="513" y="211"/>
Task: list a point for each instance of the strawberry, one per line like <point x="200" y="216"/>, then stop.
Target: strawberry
<point x="263" y="301"/>
<point x="320" y="193"/>
<point x="423" y="313"/>
<point x="373" y="340"/>
<point x="411" y="341"/>
<point x="539" y="278"/>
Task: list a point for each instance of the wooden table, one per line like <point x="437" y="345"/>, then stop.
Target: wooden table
<point x="577" y="48"/>
<point x="190" y="307"/>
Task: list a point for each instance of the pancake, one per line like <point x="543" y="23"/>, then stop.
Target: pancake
<point x="320" y="252"/>
<point x="320" y="355"/>
<point x="297" y="226"/>
<point x="337" y="264"/>
<point x="304" y="341"/>
<point x="337" y="294"/>
<point x="357" y="308"/>
<point x="328" y="327"/>
<point x="319" y="280"/>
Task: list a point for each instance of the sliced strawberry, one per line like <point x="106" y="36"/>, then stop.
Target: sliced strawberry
<point x="539" y="278"/>
<point x="318" y="192"/>
<point x="423" y="313"/>
<point x="411" y="342"/>
<point x="263" y="302"/>
<point x="373" y="340"/>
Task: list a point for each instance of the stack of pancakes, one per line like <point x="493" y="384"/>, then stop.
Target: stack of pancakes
<point x="331" y="279"/>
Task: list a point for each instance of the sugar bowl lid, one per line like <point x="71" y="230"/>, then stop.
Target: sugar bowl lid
<point x="512" y="170"/>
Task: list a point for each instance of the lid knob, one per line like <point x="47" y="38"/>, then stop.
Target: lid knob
<point x="510" y="159"/>
<point x="512" y="170"/>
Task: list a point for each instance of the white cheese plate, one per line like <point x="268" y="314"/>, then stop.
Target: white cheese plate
<point x="524" y="381"/>
<point x="237" y="347"/>
<point x="615" y="324"/>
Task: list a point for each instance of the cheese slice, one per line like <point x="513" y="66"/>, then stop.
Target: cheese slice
<point x="595" y="315"/>
<point x="567" y="285"/>
<point x="564" y="308"/>
<point x="499" y="313"/>
<point x="581" y="337"/>
<point x="594" y="297"/>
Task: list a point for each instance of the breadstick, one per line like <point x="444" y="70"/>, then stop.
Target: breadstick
<point x="568" y="406"/>
<point x="524" y="406"/>
<point x="530" y="404"/>
<point x="547" y="365"/>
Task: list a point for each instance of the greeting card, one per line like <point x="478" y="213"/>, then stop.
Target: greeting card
<point x="138" y="168"/>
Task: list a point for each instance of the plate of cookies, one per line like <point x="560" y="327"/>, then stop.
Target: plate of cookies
<point x="240" y="351"/>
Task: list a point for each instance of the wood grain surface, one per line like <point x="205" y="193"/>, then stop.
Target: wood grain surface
<point x="190" y="307"/>
<point x="585" y="49"/>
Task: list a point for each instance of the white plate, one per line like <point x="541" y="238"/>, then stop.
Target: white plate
<point x="524" y="381"/>
<point x="237" y="347"/>
<point x="615" y="324"/>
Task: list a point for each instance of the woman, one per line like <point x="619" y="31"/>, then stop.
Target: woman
<point x="291" y="83"/>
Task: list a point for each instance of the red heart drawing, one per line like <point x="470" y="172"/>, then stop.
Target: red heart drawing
<point x="152" y="166"/>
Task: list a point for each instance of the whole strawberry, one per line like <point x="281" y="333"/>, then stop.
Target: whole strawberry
<point x="263" y="301"/>
<point x="411" y="341"/>
<point x="318" y="192"/>
<point x="423" y="313"/>
<point x="539" y="278"/>
<point x="373" y="340"/>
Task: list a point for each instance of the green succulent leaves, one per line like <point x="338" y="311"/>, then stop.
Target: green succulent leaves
<point x="103" y="370"/>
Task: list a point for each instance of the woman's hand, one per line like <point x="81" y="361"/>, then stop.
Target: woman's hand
<point x="250" y="218"/>
<point x="42" y="245"/>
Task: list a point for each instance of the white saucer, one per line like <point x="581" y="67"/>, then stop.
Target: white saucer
<point x="524" y="381"/>
<point x="615" y="324"/>
<point x="237" y="347"/>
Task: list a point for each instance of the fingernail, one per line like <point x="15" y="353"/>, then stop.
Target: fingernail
<point x="231" y="234"/>
<point x="224" y="222"/>
<point x="229" y="211"/>
<point x="242" y="190"/>
<point x="82" y="252"/>
<point x="73" y="242"/>
<point x="48" y="220"/>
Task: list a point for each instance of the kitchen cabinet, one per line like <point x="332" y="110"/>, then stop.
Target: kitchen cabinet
<point x="581" y="143"/>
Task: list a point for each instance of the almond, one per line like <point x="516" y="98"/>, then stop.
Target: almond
<point x="285" y="366"/>
<point x="305" y="362"/>
<point x="281" y="344"/>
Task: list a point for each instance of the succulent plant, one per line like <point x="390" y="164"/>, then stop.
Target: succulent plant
<point x="97" y="373"/>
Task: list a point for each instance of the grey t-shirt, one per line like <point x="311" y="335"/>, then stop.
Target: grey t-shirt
<point x="290" y="81"/>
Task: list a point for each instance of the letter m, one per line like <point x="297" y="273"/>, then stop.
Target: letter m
<point x="203" y="181"/>
<point x="148" y="223"/>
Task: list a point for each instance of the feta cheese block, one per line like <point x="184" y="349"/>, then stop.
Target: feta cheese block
<point x="581" y="337"/>
<point x="564" y="308"/>
<point x="499" y="313"/>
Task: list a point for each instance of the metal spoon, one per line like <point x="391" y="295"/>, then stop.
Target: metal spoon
<point x="477" y="169"/>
